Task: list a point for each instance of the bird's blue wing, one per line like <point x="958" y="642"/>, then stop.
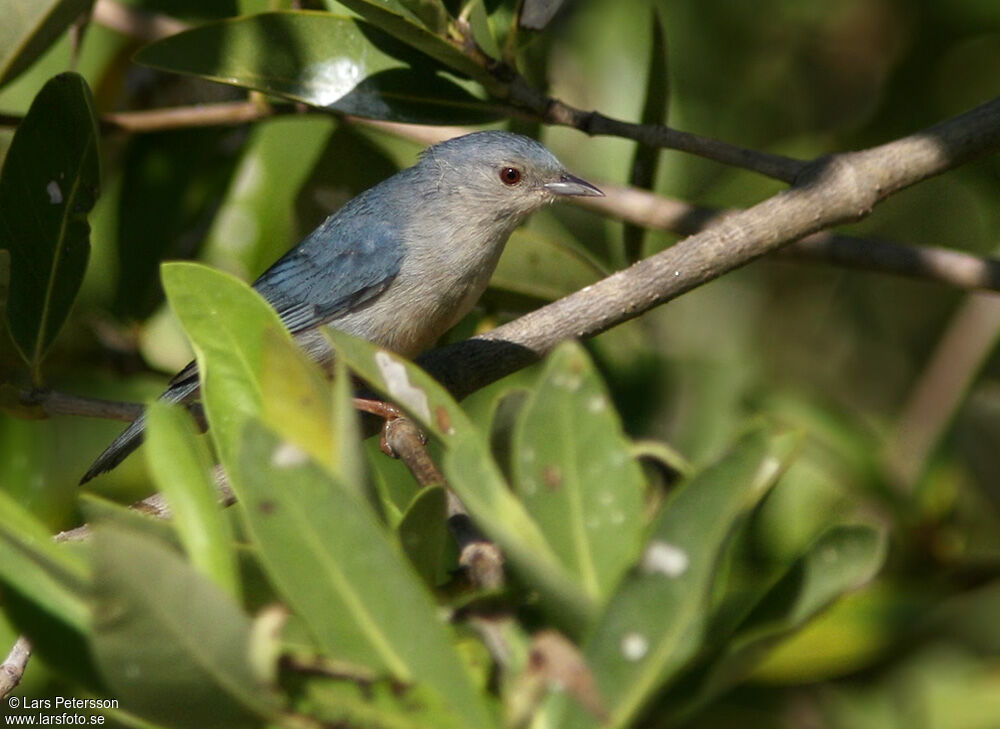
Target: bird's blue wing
<point x="344" y="263"/>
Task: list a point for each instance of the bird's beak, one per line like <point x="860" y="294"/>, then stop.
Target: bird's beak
<point x="568" y="184"/>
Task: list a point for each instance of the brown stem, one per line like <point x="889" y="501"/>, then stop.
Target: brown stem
<point x="482" y="558"/>
<point x="51" y="403"/>
<point x="137" y="23"/>
<point x="13" y="667"/>
<point x="960" y="354"/>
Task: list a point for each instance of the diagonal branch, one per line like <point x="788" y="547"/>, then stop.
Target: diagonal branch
<point x="831" y="190"/>
<point x="943" y="265"/>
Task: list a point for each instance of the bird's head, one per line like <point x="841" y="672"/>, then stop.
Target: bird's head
<point x="501" y="173"/>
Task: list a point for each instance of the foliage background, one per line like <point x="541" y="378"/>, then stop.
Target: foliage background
<point x="835" y="352"/>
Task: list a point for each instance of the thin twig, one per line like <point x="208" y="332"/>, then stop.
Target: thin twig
<point x="941" y="388"/>
<point x="137" y="23"/>
<point x="60" y="403"/>
<point x="478" y="555"/>
<point x="13" y="667"/>
<point x="227" y="113"/>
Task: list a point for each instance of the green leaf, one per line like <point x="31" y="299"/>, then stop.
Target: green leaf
<point x="482" y="29"/>
<point x="843" y="558"/>
<point x="342" y="573"/>
<point x="226" y="321"/>
<point x="251" y="367"/>
<point x="423" y="533"/>
<point x="43" y="572"/>
<point x="573" y="471"/>
<point x="655" y="622"/>
<point x="324" y="60"/>
<point x="97" y="509"/>
<point x="389" y="16"/>
<point x="46" y="591"/>
<point x="260" y="217"/>
<point x="297" y="402"/>
<point x="431" y="13"/>
<point x="29" y="27"/>
<point x="654" y="111"/>
<point x="182" y="470"/>
<point x="473" y="474"/>
<point x="48" y="185"/>
<point x="347" y="455"/>
<point x="173" y="647"/>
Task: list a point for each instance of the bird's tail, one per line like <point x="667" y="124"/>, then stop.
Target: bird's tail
<point x="183" y="386"/>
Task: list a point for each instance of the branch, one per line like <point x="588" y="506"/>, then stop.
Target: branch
<point x="507" y="84"/>
<point x="830" y="191"/>
<point x="478" y="555"/>
<point x="43" y="403"/>
<point x="556" y="112"/>
<point x="140" y="24"/>
<point x="959" y="356"/>
<point x="13" y="667"/>
<point x="943" y="265"/>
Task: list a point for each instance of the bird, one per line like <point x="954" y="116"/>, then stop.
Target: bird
<point x="405" y="260"/>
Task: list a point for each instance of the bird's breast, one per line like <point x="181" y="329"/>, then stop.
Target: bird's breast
<point x="430" y="294"/>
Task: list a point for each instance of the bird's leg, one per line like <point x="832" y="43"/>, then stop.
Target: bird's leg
<point x="385" y="410"/>
<point x="388" y="412"/>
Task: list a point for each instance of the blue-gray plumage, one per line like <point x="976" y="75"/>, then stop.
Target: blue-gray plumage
<point x="405" y="260"/>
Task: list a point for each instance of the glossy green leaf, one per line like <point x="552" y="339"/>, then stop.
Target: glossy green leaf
<point x="391" y="17"/>
<point x="324" y="60"/>
<point x="654" y="111"/>
<point x="227" y="322"/>
<point x="473" y="474"/>
<point x="43" y="572"/>
<point x="423" y="533"/>
<point x="841" y="560"/>
<point x="182" y="471"/>
<point x="172" y="646"/>
<point x="655" y="622"/>
<point x="29" y="27"/>
<point x="48" y="185"/>
<point x="343" y="574"/>
<point x="573" y="471"/>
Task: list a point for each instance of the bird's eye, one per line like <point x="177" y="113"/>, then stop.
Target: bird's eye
<point x="510" y="175"/>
